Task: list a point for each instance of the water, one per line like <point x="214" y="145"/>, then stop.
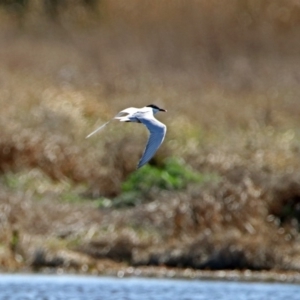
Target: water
<point x="44" y="287"/>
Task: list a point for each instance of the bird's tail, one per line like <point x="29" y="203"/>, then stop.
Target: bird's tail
<point x="123" y="119"/>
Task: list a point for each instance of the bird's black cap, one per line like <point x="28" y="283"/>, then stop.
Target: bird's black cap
<point x="156" y="107"/>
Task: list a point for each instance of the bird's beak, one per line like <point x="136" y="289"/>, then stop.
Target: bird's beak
<point x="161" y="109"/>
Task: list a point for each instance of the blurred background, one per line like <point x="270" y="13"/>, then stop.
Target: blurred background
<point x="223" y="191"/>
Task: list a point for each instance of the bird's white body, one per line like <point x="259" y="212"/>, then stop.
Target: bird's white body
<point x="144" y="115"/>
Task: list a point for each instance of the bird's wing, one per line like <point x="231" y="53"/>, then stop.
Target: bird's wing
<point x="123" y="115"/>
<point x="99" y="128"/>
<point x="157" y="135"/>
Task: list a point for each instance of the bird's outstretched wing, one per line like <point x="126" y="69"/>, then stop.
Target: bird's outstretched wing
<point x="99" y="128"/>
<point x="157" y="134"/>
<point x="122" y="116"/>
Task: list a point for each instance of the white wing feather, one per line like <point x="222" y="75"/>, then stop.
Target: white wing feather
<point x="157" y="135"/>
<point x="99" y="128"/>
<point x="122" y="116"/>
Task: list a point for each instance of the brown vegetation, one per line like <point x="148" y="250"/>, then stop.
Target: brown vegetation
<point x="228" y="73"/>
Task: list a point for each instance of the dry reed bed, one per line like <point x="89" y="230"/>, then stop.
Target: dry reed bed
<point x="225" y="226"/>
<point x="233" y="110"/>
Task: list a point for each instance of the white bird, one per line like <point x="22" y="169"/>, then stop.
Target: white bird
<point x="144" y="115"/>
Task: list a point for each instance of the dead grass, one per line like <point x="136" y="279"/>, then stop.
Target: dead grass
<point x="228" y="75"/>
<point x="223" y="226"/>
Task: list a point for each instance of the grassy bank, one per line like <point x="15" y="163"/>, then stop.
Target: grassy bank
<point x="222" y="193"/>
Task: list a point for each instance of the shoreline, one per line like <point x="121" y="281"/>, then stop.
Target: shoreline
<point x="288" y="277"/>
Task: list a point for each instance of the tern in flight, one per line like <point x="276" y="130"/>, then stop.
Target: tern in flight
<point x="144" y="115"/>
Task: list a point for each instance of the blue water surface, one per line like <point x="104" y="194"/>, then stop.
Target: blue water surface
<point x="62" y="287"/>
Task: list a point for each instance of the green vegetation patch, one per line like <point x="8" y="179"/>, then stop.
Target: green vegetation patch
<point x="174" y="175"/>
<point x="141" y="185"/>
